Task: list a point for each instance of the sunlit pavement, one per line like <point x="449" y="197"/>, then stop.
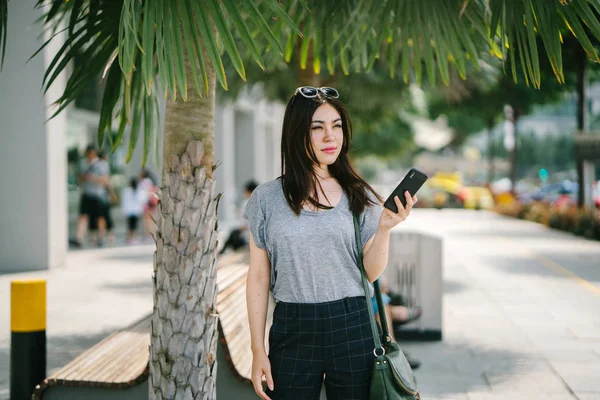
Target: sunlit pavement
<point x="521" y="311"/>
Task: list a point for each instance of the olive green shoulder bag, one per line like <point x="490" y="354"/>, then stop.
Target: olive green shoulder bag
<point x="392" y="378"/>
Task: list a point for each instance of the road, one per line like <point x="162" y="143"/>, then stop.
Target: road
<point x="521" y="310"/>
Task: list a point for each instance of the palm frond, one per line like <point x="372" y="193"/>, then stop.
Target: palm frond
<point x="3" y="20"/>
<point x="416" y="37"/>
<point x="408" y="35"/>
<point x="211" y="25"/>
<point x="140" y="46"/>
<point x="516" y="23"/>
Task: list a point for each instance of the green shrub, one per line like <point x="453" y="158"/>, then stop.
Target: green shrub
<point x="583" y="222"/>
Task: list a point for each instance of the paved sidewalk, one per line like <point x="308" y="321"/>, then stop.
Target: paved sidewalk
<point x="517" y="323"/>
<point x="96" y="293"/>
<point x="521" y="308"/>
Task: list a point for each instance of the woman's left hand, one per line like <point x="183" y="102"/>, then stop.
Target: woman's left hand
<point x="390" y="219"/>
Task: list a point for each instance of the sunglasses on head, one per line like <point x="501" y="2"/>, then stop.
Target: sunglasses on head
<point x="311" y="92"/>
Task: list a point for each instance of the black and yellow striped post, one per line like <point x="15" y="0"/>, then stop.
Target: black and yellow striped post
<point x="28" y="337"/>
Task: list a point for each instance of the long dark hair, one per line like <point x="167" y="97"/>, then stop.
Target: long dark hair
<point x="298" y="177"/>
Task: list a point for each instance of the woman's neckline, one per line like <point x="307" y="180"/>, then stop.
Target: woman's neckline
<point x="323" y="212"/>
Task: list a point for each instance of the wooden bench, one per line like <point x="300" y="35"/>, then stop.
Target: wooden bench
<point x="234" y="330"/>
<point x="117" y="367"/>
<point x="118" y="362"/>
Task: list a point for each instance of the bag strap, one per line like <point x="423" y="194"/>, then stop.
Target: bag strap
<point x="380" y="305"/>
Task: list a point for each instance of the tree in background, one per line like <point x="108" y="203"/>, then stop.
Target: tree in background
<point x="140" y="46"/>
<point x="554" y="153"/>
<point x="472" y="107"/>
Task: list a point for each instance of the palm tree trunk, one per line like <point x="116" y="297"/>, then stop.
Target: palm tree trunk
<point x="184" y="324"/>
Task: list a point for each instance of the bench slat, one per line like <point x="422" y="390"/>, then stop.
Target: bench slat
<point x="89" y="358"/>
<point x="234" y="273"/>
<point x="102" y="365"/>
<point x="233" y="315"/>
<point x="235" y="308"/>
<point x="111" y="350"/>
<point x="118" y="356"/>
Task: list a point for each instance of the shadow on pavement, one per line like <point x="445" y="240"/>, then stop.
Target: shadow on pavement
<point x="142" y="286"/>
<point x="515" y="234"/>
<point x="523" y="265"/>
<point x="142" y="256"/>
<point x="453" y="286"/>
<point x="451" y="369"/>
<point x="548" y="265"/>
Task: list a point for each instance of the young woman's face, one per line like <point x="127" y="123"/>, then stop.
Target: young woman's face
<point x="326" y="134"/>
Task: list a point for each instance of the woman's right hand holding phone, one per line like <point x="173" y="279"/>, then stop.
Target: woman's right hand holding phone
<point x="390" y="219"/>
<point x="261" y="366"/>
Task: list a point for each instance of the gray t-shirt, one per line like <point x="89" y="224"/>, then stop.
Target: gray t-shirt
<point x="97" y="168"/>
<point x="313" y="256"/>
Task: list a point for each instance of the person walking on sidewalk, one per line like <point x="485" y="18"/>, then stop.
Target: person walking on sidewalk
<point x="93" y="179"/>
<point x="107" y="200"/>
<point x="303" y="250"/>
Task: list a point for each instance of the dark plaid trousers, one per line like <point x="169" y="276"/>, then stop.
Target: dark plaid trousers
<point x="312" y="342"/>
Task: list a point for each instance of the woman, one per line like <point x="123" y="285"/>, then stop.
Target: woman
<point x="303" y="250"/>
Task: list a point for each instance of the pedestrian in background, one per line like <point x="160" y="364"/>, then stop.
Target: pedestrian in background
<point x="107" y="200"/>
<point x="93" y="178"/>
<point x="133" y="202"/>
<point x="303" y="250"/>
<point x="239" y="237"/>
<point x="148" y="185"/>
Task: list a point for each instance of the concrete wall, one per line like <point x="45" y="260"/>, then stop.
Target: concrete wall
<point x="33" y="159"/>
<point x="247" y="142"/>
<point x="225" y="158"/>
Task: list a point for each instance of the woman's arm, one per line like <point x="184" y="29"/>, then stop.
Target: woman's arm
<point x="257" y="295"/>
<point x="375" y="251"/>
<point x="375" y="254"/>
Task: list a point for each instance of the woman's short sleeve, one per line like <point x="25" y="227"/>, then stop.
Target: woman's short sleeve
<point x="254" y="213"/>
<point x="369" y="221"/>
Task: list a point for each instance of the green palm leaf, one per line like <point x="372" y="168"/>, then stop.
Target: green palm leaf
<point x="516" y="22"/>
<point x="449" y="33"/>
<point x="3" y="19"/>
<point x="151" y="40"/>
<point x="139" y="46"/>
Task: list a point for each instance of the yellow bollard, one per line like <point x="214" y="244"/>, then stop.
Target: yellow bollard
<point x="28" y="337"/>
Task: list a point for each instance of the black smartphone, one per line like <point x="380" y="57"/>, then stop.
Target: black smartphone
<point x="412" y="182"/>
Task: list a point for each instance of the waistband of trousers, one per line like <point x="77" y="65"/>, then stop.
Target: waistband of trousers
<point x="320" y="310"/>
